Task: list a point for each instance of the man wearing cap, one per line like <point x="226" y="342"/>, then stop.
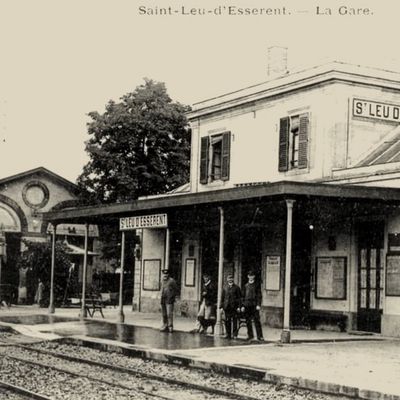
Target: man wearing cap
<point x="251" y="305"/>
<point x="169" y="290"/>
<point x="230" y="303"/>
<point x="206" y="315"/>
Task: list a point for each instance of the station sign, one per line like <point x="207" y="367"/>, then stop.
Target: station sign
<point x="143" y="221"/>
<point x="376" y="110"/>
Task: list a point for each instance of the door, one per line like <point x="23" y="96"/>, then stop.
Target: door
<point x="251" y="241"/>
<point x="301" y="276"/>
<point x="10" y="273"/>
<point x="175" y="257"/>
<point x="370" y="276"/>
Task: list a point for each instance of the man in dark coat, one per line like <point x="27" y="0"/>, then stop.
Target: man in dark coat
<point x="207" y="312"/>
<point x="251" y="305"/>
<point x="169" y="290"/>
<point x="230" y="303"/>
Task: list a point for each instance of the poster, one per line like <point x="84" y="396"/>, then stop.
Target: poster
<point x="272" y="272"/>
<point x="151" y="274"/>
<point x="393" y="275"/>
<point x="331" y="278"/>
<point x="190" y="272"/>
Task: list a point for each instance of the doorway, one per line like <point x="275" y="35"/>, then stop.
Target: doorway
<point x="175" y="257"/>
<point x="301" y="276"/>
<point x="10" y="273"/>
<point x="251" y="253"/>
<point x="370" y="276"/>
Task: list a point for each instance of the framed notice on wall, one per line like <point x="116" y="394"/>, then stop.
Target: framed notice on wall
<point x="190" y="272"/>
<point x="151" y="274"/>
<point x="393" y="275"/>
<point x="273" y="273"/>
<point x="331" y="278"/>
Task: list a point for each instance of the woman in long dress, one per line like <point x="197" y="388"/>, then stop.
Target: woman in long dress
<point x="39" y="293"/>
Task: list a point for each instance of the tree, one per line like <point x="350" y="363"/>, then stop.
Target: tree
<point x="137" y="147"/>
<point x="37" y="259"/>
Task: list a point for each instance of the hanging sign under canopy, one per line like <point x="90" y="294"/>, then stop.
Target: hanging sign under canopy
<point x="143" y="221"/>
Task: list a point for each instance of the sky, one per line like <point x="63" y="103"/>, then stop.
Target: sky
<point x="61" y="59"/>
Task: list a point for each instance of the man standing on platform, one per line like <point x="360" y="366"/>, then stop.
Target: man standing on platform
<point x="251" y="306"/>
<point x="169" y="290"/>
<point x="207" y="312"/>
<point x="230" y="303"/>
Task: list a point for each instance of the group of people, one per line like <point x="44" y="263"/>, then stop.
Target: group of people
<point x="235" y="303"/>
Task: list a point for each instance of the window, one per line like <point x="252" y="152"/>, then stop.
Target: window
<point x="215" y="158"/>
<point x="293" y="142"/>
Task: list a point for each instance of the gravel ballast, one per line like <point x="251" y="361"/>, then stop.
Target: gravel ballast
<point x="256" y="389"/>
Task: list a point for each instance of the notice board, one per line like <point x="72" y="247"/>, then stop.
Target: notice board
<point x="330" y="282"/>
<point x="273" y="273"/>
<point x="393" y="275"/>
<point x="190" y="272"/>
<point x="151" y="274"/>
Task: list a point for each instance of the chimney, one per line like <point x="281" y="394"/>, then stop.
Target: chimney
<point x="277" y="61"/>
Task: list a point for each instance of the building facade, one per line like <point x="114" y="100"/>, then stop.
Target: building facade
<point x="334" y="124"/>
<point x="24" y="198"/>
<point x="296" y="178"/>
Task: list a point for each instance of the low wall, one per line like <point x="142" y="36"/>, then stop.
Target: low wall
<point x="390" y="325"/>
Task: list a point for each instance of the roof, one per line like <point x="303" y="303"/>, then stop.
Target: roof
<point x="328" y="72"/>
<point x="74" y="230"/>
<point x="386" y="151"/>
<point x="271" y="191"/>
<point x="185" y="188"/>
<point x="43" y="171"/>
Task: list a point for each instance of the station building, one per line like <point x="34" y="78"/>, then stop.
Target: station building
<point x="296" y="178"/>
<point x="24" y="198"/>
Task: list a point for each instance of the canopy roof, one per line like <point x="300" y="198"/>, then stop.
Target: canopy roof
<point x="269" y="191"/>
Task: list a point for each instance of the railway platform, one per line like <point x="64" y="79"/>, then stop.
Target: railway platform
<point x="355" y="365"/>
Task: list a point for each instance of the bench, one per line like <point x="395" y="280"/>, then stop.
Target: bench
<point x="92" y="305"/>
<point x="330" y="318"/>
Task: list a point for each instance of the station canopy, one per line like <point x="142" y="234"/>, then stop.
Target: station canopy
<point x="363" y="200"/>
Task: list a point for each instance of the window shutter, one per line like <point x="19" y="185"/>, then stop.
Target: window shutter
<point x="283" y="144"/>
<point x="204" y="159"/>
<point x="303" y="140"/>
<point x="226" y="155"/>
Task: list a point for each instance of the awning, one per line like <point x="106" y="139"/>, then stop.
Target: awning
<point x="272" y="191"/>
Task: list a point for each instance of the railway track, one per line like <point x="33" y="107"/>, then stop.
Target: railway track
<point x="132" y="383"/>
<point x="137" y="372"/>
<point x="12" y="392"/>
